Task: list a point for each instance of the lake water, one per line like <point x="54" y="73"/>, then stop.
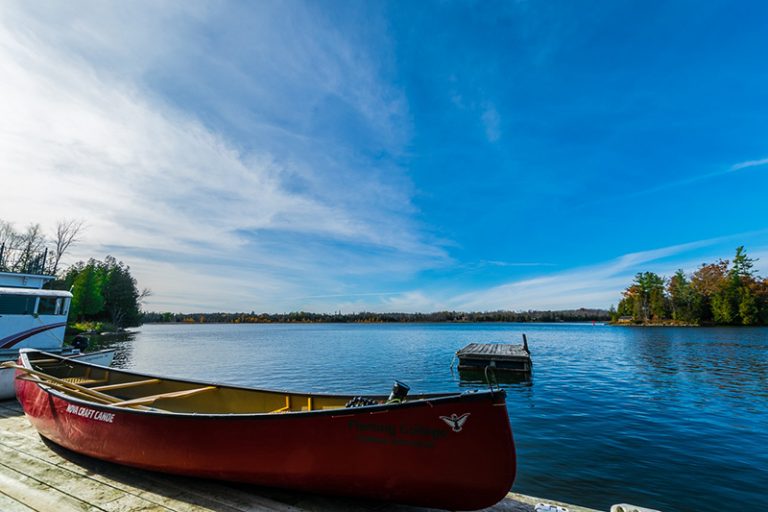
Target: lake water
<point x="668" y="418"/>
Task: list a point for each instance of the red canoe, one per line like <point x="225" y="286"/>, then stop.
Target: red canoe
<point x="452" y="451"/>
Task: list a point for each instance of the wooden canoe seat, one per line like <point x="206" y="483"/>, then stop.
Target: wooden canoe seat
<point x="123" y="385"/>
<point x="172" y="394"/>
<point x="84" y="381"/>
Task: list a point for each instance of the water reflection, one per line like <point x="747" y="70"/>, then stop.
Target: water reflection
<point x="475" y="378"/>
<point x="121" y="342"/>
<point x="718" y="362"/>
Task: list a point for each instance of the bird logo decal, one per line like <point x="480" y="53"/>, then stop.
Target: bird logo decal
<point x="455" y="422"/>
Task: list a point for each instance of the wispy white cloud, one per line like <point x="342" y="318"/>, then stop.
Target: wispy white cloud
<point x="491" y="122"/>
<point x="671" y="185"/>
<point x="600" y="285"/>
<point x="516" y="264"/>
<point x="749" y="163"/>
<point x="85" y="133"/>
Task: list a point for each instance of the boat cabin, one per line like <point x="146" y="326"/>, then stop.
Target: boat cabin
<point x="29" y="315"/>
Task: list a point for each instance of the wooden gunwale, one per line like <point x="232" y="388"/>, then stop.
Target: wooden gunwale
<point x="113" y="403"/>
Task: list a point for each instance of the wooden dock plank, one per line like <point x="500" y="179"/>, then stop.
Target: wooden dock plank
<point x="493" y="350"/>
<point x="8" y="504"/>
<point x="60" y="479"/>
<point x="502" y="357"/>
<point x="37" y="495"/>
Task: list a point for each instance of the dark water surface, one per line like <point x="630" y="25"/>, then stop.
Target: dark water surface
<point x="668" y="418"/>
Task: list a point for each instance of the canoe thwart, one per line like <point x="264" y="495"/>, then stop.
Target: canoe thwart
<point x="173" y="394"/>
<point x="123" y="385"/>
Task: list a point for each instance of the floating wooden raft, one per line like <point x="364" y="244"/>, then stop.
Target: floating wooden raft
<point x="501" y="356"/>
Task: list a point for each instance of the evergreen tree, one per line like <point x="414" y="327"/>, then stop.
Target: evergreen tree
<point x="685" y="303"/>
<point x="87" y="297"/>
<point x="748" y="307"/>
<point x="104" y="291"/>
<point x="121" y="295"/>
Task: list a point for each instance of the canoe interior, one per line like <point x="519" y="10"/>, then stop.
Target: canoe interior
<point x="130" y="390"/>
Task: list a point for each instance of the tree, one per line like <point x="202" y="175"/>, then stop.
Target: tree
<point x="648" y="296"/>
<point x="748" y="307"/>
<point x="67" y="232"/>
<point x="707" y="282"/>
<point x="27" y="252"/>
<point x="733" y="298"/>
<point x="87" y="286"/>
<point x="104" y="291"/>
<point x="121" y="295"/>
<point x="21" y="252"/>
<point x="629" y="304"/>
<point x="742" y="265"/>
<point x="685" y="302"/>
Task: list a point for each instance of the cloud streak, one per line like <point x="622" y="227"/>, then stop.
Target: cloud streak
<point x="595" y="285"/>
<point x="749" y="163"/>
<point x="161" y="188"/>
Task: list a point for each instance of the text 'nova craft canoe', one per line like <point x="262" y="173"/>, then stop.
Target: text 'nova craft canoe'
<point x="452" y="451"/>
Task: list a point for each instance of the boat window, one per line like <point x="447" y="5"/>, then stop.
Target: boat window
<point x="17" y="304"/>
<point x="47" y="306"/>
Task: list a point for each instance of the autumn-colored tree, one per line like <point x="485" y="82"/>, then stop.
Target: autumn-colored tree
<point x="707" y="281"/>
<point x="629" y="304"/>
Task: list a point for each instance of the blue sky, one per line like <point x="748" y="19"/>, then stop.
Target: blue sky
<point x="388" y="156"/>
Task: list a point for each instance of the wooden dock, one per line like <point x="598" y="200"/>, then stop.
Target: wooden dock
<point x="37" y="475"/>
<point x="500" y="356"/>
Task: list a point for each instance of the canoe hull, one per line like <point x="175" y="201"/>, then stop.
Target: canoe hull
<point x="418" y="453"/>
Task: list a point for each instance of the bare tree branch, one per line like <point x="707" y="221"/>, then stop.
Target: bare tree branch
<point x="146" y="292"/>
<point x="67" y="232"/>
<point x="31" y="244"/>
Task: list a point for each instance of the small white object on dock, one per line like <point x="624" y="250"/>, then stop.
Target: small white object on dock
<point x="624" y="507"/>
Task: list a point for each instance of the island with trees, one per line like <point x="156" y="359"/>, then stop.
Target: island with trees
<point x="720" y="293"/>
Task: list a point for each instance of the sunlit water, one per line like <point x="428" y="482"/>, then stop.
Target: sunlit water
<point x="669" y="418"/>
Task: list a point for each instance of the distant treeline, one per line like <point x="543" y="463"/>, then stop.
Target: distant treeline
<point x="720" y="293"/>
<point x="570" y="315"/>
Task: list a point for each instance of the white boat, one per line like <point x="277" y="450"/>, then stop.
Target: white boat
<point x="31" y="317"/>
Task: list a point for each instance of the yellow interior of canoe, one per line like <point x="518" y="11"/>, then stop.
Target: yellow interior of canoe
<point x="113" y="387"/>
